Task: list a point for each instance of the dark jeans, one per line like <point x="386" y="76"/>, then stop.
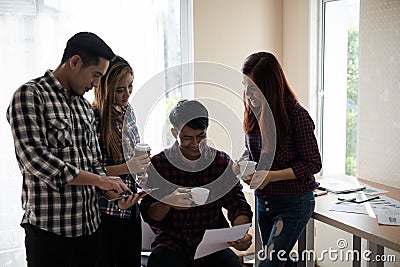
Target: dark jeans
<point x="161" y="257"/>
<point x="48" y="249"/>
<point x="281" y="220"/>
<point x="120" y="242"/>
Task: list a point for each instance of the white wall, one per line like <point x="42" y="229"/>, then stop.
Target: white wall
<point x="227" y="31"/>
<point x="379" y="96"/>
<point x="295" y="47"/>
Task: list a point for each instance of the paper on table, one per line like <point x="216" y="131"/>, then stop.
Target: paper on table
<point x="216" y="239"/>
<point x="389" y="216"/>
<point x="380" y="207"/>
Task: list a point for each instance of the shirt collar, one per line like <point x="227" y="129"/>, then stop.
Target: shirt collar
<point x="175" y="157"/>
<point x="56" y="85"/>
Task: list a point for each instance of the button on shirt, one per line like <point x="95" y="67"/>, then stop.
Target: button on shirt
<point x="182" y="230"/>
<point x="298" y="150"/>
<point x="54" y="138"/>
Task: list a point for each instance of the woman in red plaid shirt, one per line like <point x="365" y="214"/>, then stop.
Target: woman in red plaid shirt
<point x="280" y="137"/>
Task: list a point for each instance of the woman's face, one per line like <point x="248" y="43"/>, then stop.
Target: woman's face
<point x="253" y="95"/>
<point x="123" y="90"/>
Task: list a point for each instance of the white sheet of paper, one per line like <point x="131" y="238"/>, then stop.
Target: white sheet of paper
<point x="216" y="239"/>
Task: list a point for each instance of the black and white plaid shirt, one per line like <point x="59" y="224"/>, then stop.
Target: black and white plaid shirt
<point x="55" y="138"/>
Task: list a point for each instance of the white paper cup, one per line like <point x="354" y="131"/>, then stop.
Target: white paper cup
<point x="199" y="195"/>
<point x="247" y="167"/>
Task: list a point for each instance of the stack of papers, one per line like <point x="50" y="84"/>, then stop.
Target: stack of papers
<point x="338" y="186"/>
<point x="387" y="209"/>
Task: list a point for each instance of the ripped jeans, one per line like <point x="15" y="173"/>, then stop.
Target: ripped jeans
<point x="281" y="219"/>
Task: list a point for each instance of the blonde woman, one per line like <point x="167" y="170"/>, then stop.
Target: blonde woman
<point x="120" y="230"/>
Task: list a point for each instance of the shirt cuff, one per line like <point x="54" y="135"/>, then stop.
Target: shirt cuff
<point x="300" y="171"/>
<point x="68" y="173"/>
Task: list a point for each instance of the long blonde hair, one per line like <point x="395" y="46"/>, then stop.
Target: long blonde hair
<point x="103" y="102"/>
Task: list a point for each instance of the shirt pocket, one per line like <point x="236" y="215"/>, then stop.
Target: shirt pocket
<point x="88" y="131"/>
<point x="59" y="133"/>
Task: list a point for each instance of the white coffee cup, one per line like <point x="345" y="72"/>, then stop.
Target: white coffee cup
<point x="199" y="195"/>
<point x="141" y="149"/>
<point x="247" y="167"/>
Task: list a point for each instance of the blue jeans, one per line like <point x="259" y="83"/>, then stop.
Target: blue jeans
<point x="281" y="219"/>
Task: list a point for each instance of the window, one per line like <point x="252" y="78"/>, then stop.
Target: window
<point x="152" y="35"/>
<point x="338" y="83"/>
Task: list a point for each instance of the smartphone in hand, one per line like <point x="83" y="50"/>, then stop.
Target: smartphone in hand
<point x="122" y="195"/>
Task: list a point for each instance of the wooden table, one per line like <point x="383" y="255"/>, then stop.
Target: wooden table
<point x="359" y="225"/>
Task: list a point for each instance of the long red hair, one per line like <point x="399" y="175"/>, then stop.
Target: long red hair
<point x="267" y="74"/>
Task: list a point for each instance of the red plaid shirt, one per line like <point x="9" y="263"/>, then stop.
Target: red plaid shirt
<point x="182" y="230"/>
<point x="298" y="150"/>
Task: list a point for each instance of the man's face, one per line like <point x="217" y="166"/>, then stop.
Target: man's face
<point x="86" y="78"/>
<point x="189" y="141"/>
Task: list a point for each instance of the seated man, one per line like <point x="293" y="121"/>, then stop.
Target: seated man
<point x="180" y="223"/>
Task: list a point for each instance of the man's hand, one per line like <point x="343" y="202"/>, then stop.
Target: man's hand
<point x="180" y="199"/>
<point x="113" y="183"/>
<point x="242" y="243"/>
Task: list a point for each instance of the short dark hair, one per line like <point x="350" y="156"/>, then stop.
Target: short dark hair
<point x="89" y="47"/>
<point x="189" y="113"/>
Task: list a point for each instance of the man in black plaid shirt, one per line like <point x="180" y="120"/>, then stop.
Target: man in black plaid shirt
<point x="58" y="154"/>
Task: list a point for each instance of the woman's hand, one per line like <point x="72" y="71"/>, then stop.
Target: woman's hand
<point x="235" y="166"/>
<point x="141" y="179"/>
<point x="138" y="164"/>
<point x="127" y="202"/>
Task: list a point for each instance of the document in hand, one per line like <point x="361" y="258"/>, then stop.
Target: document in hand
<point x="217" y="239"/>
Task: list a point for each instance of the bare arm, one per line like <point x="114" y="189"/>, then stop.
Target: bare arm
<point x="103" y="182"/>
<point x="119" y="169"/>
<point x="241" y="219"/>
<point x="261" y="178"/>
<point x="280" y="175"/>
<point x="135" y="165"/>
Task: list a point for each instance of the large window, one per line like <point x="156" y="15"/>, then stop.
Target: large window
<point x="152" y="35"/>
<point x="338" y="86"/>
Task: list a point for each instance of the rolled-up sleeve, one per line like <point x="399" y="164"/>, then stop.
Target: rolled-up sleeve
<point x="236" y="204"/>
<point x="26" y="117"/>
<point x="308" y="161"/>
